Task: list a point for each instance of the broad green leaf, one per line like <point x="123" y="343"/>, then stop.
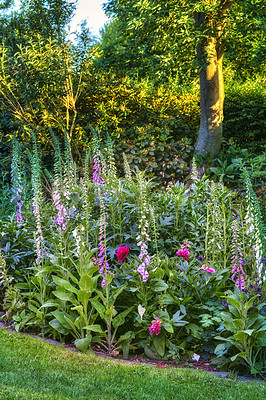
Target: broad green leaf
<point x="150" y="354"/>
<point x="159" y="273"/>
<point x="241" y="335"/>
<point x="263" y="328"/>
<point x="79" y="309"/>
<point x="59" y="315"/>
<point x="120" y="318"/>
<point x="100" y="294"/>
<point x="86" y="283"/>
<point x="93" y="328"/>
<point x="50" y="303"/>
<point x="158" y="285"/>
<point x="168" y="299"/>
<point x="65" y="296"/>
<point x="229" y="322"/>
<point x="239" y="323"/>
<point x="222" y="349"/>
<point x="168" y="327"/>
<point x="117" y="292"/>
<point x="253" y="317"/>
<point x="249" y="304"/>
<point x="64" y="284"/>
<point x="178" y="319"/>
<point x="176" y="316"/>
<point x="242" y="354"/>
<point x="235" y="303"/>
<point x="109" y="314"/>
<point x="195" y="330"/>
<point x="249" y="331"/>
<point x="83" y="344"/>
<point x="74" y="332"/>
<point x="84" y="296"/>
<point x="98" y="307"/>
<point x="32" y="308"/>
<point x="183" y="309"/>
<point x="24" y="286"/>
<point x="58" y="327"/>
<point x="159" y="344"/>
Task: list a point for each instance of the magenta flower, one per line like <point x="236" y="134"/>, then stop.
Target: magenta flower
<point x="155" y="326"/>
<point x="122" y="253"/>
<point x="183" y="253"/>
<point x="240" y="282"/>
<point x="205" y="267"/>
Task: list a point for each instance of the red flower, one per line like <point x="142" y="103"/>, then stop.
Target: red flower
<point x="156" y="326"/>
<point x="183" y="253"/>
<point x="122" y="253"/>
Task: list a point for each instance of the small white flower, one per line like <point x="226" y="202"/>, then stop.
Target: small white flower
<point x="195" y="357"/>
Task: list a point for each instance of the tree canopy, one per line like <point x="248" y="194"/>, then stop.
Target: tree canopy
<point x="174" y="38"/>
<point x="5" y="4"/>
<point x="159" y="37"/>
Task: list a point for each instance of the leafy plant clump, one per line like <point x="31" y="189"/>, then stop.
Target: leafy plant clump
<point x="108" y="261"/>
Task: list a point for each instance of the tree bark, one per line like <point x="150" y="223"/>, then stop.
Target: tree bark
<point x="211" y="99"/>
<point x="210" y="58"/>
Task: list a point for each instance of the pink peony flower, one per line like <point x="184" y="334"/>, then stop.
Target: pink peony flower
<point x="183" y="253"/>
<point x="205" y="267"/>
<point x="122" y="253"/>
<point x="156" y="326"/>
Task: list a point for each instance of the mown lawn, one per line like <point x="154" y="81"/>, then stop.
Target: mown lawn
<point x="31" y="369"/>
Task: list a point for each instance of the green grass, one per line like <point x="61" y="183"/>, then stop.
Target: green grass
<point x="31" y="369"/>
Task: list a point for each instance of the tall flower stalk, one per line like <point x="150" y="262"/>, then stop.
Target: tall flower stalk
<point x="98" y="181"/>
<point x="254" y="220"/>
<point x="127" y="169"/>
<point x="237" y="258"/>
<point x="37" y="200"/>
<point x="16" y="179"/>
<point x="102" y="257"/>
<point x="62" y="216"/>
<point x="143" y="237"/>
<point x="111" y="172"/>
<point x="218" y="229"/>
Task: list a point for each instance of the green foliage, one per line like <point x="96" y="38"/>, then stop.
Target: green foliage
<point x="63" y="295"/>
<point x="246" y="324"/>
<point x="74" y="290"/>
<point x="154" y="125"/>
<point x="242" y="102"/>
<point x="47" y="18"/>
<point x="159" y="38"/>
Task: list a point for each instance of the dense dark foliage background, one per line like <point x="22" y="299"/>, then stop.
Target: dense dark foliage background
<point x="139" y="85"/>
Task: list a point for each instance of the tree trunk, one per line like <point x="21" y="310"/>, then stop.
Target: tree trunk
<point x="211" y="98"/>
<point x="210" y="58"/>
